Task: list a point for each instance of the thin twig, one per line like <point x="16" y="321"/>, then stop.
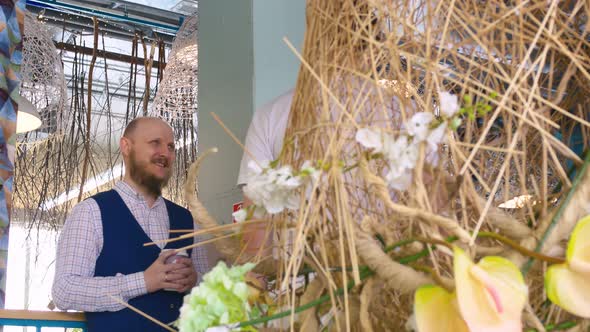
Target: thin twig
<point x="521" y="249"/>
<point x="152" y="319"/>
<point x="87" y="152"/>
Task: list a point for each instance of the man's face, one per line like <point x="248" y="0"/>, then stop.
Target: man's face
<point x="151" y="155"/>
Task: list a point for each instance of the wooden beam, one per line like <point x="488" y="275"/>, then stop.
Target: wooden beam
<point x="43" y="315"/>
<point x="105" y="54"/>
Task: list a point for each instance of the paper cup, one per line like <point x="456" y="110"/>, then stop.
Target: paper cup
<point x="174" y="259"/>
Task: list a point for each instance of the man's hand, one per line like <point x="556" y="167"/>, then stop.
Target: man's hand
<point x="185" y="277"/>
<point x="159" y="274"/>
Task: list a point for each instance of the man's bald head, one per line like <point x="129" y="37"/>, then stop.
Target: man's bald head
<point x="149" y="153"/>
<point x="139" y="122"/>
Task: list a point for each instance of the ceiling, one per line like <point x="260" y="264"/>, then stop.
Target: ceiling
<point x="154" y="19"/>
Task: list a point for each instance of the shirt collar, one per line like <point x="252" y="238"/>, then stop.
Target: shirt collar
<point x="126" y="189"/>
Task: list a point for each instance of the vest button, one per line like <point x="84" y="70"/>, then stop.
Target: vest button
<point x="172" y="306"/>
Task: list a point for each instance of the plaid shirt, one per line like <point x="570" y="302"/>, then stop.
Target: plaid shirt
<point x="80" y="244"/>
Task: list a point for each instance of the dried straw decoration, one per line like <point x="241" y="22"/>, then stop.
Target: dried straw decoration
<point x="374" y="63"/>
<point x="177" y="93"/>
<point x="43" y="82"/>
<point x="533" y="55"/>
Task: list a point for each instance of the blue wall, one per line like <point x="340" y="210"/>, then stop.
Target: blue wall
<point x="243" y="63"/>
<point x="275" y="65"/>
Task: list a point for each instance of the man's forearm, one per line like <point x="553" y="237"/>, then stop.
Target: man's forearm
<point x="71" y="292"/>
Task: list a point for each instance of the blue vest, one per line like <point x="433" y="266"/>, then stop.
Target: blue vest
<point x="123" y="252"/>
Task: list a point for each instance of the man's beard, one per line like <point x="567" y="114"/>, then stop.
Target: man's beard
<point x="138" y="173"/>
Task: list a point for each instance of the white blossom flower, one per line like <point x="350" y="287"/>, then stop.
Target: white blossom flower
<point x="401" y="154"/>
<point x="257" y="168"/>
<point x="418" y="126"/>
<point x="404" y="153"/>
<point x="370" y="138"/>
<point x="399" y="180"/>
<point x="274" y="190"/>
<point x="449" y="104"/>
<point x="281" y="200"/>
<point x="284" y="178"/>
<point x="437" y="136"/>
<point x="258" y="188"/>
<point x="401" y="163"/>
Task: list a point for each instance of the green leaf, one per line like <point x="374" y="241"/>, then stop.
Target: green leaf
<point x="455" y="123"/>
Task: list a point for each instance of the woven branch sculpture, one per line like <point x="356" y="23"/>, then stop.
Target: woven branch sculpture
<point x="43" y="81"/>
<point x="177" y="94"/>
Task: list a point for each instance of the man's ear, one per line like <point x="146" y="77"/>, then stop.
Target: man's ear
<point x="125" y="144"/>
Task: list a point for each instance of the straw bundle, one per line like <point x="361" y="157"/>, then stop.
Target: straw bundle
<point x="527" y="60"/>
<point x="523" y="69"/>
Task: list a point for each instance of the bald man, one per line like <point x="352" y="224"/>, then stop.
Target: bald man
<point x="101" y="252"/>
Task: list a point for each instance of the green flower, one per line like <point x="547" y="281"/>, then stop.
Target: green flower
<point x="220" y="299"/>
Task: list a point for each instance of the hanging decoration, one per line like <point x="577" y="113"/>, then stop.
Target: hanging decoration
<point x="50" y="172"/>
<point x="177" y="93"/>
<point x="43" y="82"/>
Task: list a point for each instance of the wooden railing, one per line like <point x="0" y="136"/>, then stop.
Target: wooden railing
<point x="39" y="319"/>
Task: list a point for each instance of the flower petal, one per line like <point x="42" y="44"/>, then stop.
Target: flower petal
<point x="491" y="294"/>
<point x="370" y="138"/>
<point x="255" y="168"/>
<point x="578" y="248"/>
<point x="510" y="285"/>
<point x="436" y="311"/>
<point x="418" y="126"/>
<point x="474" y="301"/>
<point x="449" y="104"/>
<point x="437" y="136"/>
<point x="399" y="179"/>
<point x="568" y="289"/>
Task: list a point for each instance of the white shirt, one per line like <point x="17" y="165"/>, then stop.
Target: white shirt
<point x="266" y="133"/>
<point x="80" y="244"/>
